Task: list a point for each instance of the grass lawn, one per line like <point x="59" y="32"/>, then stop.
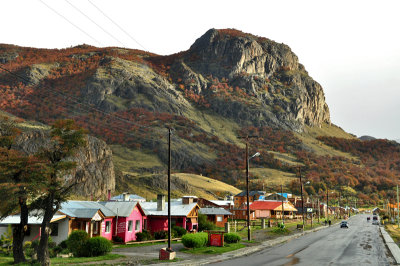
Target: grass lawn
<point x="394" y="232"/>
<point x="133" y="245"/>
<point x="7" y="260"/>
<point x="214" y="250"/>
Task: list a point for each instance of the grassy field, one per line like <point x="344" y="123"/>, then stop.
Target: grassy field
<point x="214" y="250"/>
<point x="204" y="185"/>
<point x="271" y="177"/>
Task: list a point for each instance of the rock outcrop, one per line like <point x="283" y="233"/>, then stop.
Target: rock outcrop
<point x="95" y="168"/>
<point x="285" y="94"/>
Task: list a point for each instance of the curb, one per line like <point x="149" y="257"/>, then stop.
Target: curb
<point x="393" y="247"/>
<point x="246" y="251"/>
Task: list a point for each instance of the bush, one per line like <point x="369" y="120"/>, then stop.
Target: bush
<point x="205" y="224"/>
<point x="231" y="238"/>
<point x="35" y="244"/>
<point x="196" y="240"/>
<point x="281" y="225"/>
<point x="76" y="241"/>
<point x="97" y="246"/>
<point x="117" y="239"/>
<point x="178" y="231"/>
<point x="162" y="234"/>
<point x="63" y="244"/>
<point x="144" y="235"/>
<point x="27" y="244"/>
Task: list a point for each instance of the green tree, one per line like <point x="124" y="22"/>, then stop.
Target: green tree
<point x="17" y="174"/>
<point x="66" y="139"/>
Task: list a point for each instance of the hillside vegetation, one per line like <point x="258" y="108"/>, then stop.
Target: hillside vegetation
<point x="226" y="86"/>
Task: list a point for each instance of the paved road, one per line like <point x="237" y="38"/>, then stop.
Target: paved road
<point x="361" y="244"/>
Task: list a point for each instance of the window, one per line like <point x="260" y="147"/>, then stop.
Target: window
<point x="108" y="226"/>
<point x="219" y="218"/>
<point x="95" y="228"/>
<point x="244" y="212"/>
<point x="137" y="225"/>
<point x="54" y="229"/>
<point x="130" y="225"/>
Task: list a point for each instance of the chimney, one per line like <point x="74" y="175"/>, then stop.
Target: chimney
<point x="160" y="202"/>
<point x="109" y="194"/>
<point x="125" y="196"/>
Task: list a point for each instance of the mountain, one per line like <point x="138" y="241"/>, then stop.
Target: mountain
<point x="95" y="167"/>
<point x="226" y="86"/>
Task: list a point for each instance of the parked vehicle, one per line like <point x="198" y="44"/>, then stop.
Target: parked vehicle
<point x="368" y="218"/>
<point x="344" y="224"/>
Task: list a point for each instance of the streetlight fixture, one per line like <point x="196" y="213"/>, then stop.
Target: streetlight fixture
<point x="247" y="187"/>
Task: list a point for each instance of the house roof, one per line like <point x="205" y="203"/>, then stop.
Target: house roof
<point x="222" y="202"/>
<point x="84" y="209"/>
<point x="251" y="193"/>
<point x="264" y="205"/>
<point x="214" y="211"/>
<point x="177" y="208"/>
<point x="120" y="208"/>
<point x="131" y="197"/>
<point x="16" y="219"/>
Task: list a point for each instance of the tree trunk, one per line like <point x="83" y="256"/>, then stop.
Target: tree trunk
<point x="19" y="233"/>
<point x="43" y="249"/>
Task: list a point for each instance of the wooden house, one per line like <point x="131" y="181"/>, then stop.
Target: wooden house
<point x="219" y="216"/>
<point x="184" y="213"/>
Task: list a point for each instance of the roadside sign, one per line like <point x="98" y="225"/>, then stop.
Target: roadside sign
<point x="309" y="209"/>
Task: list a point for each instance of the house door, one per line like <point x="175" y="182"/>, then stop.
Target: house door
<point x="96" y="228"/>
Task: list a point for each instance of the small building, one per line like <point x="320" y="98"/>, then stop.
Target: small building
<point x="241" y="198"/>
<point x="219" y="216"/>
<point x="241" y="213"/>
<point x="184" y="213"/>
<point x="128" y="197"/>
<point x="129" y="219"/>
<point x="273" y="209"/>
<point x="58" y="225"/>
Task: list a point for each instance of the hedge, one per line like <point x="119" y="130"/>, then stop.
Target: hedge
<point x="231" y="238"/>
<point x="196" y="240"/>
<point x="97" y="246"/>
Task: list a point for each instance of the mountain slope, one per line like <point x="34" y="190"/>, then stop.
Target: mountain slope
<point x="228" y="85"/>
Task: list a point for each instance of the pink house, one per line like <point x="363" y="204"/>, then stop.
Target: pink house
<point x="128" y="220"/>
<point x="184" y="213"/>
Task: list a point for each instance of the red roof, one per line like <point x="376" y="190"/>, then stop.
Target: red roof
<point x="265" y="205"/>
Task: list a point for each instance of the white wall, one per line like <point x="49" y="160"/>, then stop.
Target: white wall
<point x="62" y="231"/>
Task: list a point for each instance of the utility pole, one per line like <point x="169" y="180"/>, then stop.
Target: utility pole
<point x="319" y="209"/>
<point x="247" y="190"/>
<point x="327" y="203"/>
<point x="247" y="183"/>
<point x="302" y="200"/>
<point x="283" y="210"/>
<point x="169" y="189"/>
<point x="398" y="221"/>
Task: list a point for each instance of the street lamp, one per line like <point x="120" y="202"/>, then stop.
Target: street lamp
<point x="247" y="187"/>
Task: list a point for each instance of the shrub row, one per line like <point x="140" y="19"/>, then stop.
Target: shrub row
<point x="231" y="238"/>
<point x="196" y="240"/>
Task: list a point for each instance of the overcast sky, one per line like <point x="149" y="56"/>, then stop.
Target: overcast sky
<point x="352" y="48"/>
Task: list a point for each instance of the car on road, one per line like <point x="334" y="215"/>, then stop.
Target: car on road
<point x="368" y="218"/>
<point x="376" y="222"/>
<point x="344" y="224"/>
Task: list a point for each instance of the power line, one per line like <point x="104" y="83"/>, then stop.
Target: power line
<point x="104" y="14"/>
<point x="94" y="22"/>
<point x="73" y="24"/>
